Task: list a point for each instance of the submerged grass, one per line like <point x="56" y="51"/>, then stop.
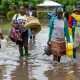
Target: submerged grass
<point x="5" y="26"/>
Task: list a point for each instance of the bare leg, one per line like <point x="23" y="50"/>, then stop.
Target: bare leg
<point x="74" y="52"/>
<point x="59" y="57"/>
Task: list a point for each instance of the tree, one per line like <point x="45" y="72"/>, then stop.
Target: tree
<point x="6" y="5"/>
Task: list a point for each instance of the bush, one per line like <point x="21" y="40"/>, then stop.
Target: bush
<point x="10" y="14"/>
<point x="69" y="9"/>
<point x="42" y="15"/>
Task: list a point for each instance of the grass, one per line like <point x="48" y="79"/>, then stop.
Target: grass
<point x="5" y="26"/>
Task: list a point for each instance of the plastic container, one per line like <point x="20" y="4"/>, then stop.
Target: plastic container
<point x="3" y="44"/>
<point x="69" y="49"/>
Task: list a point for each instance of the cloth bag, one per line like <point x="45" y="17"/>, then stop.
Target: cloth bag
<point x="15" y="35"/>
<point x="34" y="24"/>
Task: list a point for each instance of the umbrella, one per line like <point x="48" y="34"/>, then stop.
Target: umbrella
<point x="49" y="3"/>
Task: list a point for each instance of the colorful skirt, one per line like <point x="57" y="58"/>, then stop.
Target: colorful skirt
<point x="58" y="47"/>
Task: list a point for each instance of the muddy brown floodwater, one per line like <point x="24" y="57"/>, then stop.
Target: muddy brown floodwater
<point x="36" y="66"/>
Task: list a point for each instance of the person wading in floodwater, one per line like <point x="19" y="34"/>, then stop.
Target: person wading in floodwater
<point x="58" y="32"/>
<point x="18" y="22"/>
<point x="74" y="25"/>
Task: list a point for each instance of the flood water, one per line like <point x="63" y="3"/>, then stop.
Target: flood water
<point x="36" y="66"/>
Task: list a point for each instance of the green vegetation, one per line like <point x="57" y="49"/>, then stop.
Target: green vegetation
<point x="70" y="4"/>
<point x="42" y="15"/>
<point x="8" y="5"/>
<point x="5" y="27"/>
<point x="10" y="15"/>
<point x="7" y="9"/>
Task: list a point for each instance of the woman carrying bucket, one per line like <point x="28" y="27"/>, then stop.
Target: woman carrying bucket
<point x="58" y="32"/>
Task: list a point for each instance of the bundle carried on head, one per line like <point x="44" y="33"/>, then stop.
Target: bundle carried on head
<point x="34" y="24"/>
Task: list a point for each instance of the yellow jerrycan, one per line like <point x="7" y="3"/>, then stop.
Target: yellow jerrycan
<point x="69" y="49"/>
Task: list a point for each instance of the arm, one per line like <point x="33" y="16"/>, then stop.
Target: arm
<point x="51" y="27"/>
<point x="66" y="31"/>
<point x="14" y="17"/>
<point x="14" y="22"/>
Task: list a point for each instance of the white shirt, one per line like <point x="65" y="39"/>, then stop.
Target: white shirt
<point x="30" y="13"/>
<point x="58" y="30"/>
<point x="21" y="20"/>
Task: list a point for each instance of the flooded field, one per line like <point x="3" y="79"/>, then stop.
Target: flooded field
<point x="36" y="66"/>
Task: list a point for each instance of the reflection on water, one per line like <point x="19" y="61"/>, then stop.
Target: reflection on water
<point x="70" y="75"/>
<point x="62" y="74"/>
<point x="1" y="71"/>
<point x="21" y="72"/>
<point x="55" y="74"/>
<point x="7" y="71"/>
<point x="31" y="45"/>
<point x="36" y="66"/>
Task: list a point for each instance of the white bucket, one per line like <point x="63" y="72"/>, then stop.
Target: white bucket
<point x="3" y="44"/>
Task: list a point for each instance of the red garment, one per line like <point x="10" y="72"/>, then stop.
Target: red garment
<point x="15" y="34"/>
<point x="70" y="21"/>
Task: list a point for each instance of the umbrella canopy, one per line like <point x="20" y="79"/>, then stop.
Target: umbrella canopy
<point x="49" y="3"/>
